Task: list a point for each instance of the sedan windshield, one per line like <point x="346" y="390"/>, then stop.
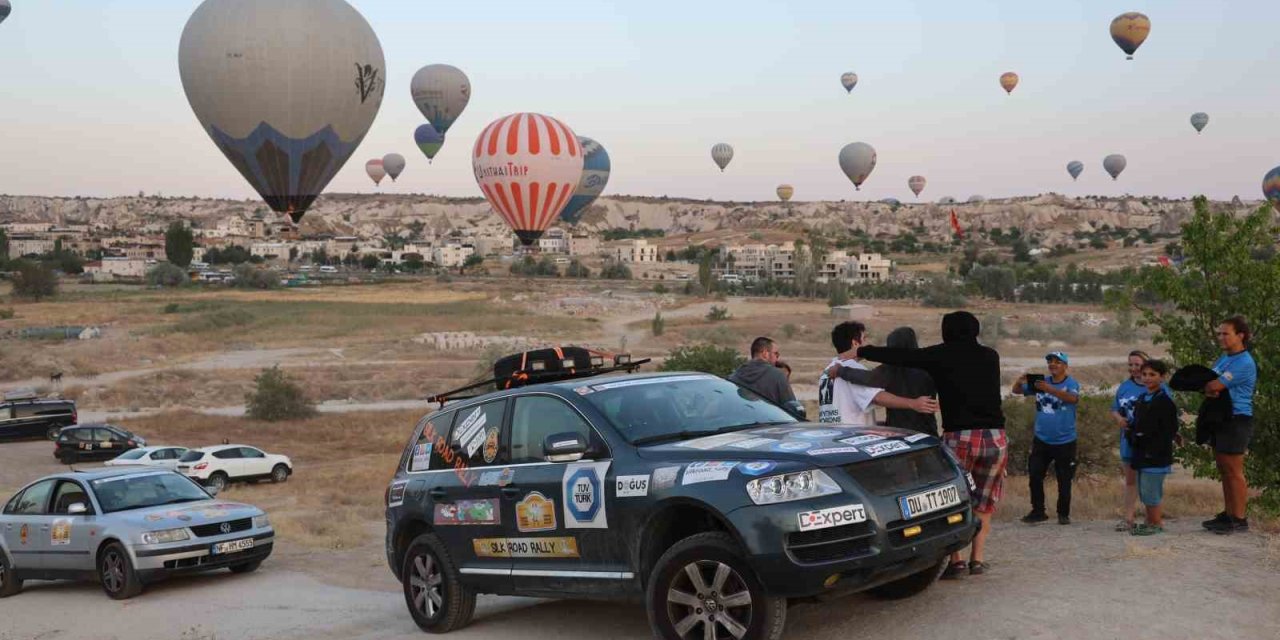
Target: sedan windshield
<point x="647" y="409"/>
<point x="132" y="454"/>
<point x="123" y="493"/>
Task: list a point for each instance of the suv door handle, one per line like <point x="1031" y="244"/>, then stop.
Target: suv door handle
<point x="511" y="492"/>
<point x="438" y="494"/>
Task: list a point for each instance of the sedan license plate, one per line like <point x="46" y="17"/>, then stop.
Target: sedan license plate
<point x="232" y="546"/>
<point x="929" y="501"/>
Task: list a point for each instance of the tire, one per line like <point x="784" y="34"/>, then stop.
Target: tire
<point x="279" y="473"/>
<point x="219" y="481"/>
<point x="911" y="585"/>
<point x="248" y="567"/>
<point x="428" y="569"/>
<point x="9" y="585"/>
<point x="747" y="612"/>
<point x="115" y="572"/>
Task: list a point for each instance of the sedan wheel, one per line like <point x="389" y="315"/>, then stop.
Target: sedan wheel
<point x="116" y="573"/>
<point x="9" y="584"/>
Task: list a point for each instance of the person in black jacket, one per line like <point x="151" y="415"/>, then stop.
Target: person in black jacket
<point x="901" y="381"/>
<point x="967" y="375"/>
<point x="1151" y="439"/>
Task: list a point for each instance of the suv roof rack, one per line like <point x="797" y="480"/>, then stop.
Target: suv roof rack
<point x="538" y="366"/>
<point x="21" y="394"/>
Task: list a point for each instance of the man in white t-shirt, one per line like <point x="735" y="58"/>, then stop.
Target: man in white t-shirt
<point x="840" y="401"/>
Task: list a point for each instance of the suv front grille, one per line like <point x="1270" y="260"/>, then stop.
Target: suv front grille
<point x="895" y="474"/>
<point x="829" y="545"/>
<point x="209" y="530"/>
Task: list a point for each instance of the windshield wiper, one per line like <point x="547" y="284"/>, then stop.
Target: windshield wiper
<point x="686" y="435"/>
<point x="179" y="500"/>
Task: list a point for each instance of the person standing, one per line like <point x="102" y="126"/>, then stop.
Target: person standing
<point x="902" y="381"/>
<point x="1055" y="436"/>
<point x="761" y="374"/>
<point x="967" y="375"/>
<point x="1126" y="399"/>
<point x="1237" y="375"/>
<point x="1152" y="433"/>
<point x="840" y="401"/>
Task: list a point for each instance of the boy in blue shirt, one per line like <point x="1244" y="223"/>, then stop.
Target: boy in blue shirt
<point x="1055" y="436"/>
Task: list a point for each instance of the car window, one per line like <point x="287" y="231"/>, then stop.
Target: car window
<point x="424" y="454"/>
<point x="476" y="431"/>
<point x="227" y="454"/>
<point x="191" y="456"/>
<point x="121" y="493"/>
<point x="250" y="452"/>
<point x="102" y="435"/>
<point x="175" y="454"/>
<point x="77" y="435"/>
<point x="133" y="455"/>
<point x="537" y="417"/>
<point x="35" y="500"/>
<point x="68" y="493"/>
<point x="656" y="407"/>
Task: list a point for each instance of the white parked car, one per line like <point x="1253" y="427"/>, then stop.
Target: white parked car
<point x="163" y="457"/>
<point x="223" y="464"/>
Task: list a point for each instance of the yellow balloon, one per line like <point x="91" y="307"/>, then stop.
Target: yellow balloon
<point x="1130" y="30"/>
<point x="1008" y="81"/>
<point x="785" y="191"/>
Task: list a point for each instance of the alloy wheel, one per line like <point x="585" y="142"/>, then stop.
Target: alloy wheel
<point x="426" y="582"/>
<point x="113" y="572"/>
<point x="711" y="609"/>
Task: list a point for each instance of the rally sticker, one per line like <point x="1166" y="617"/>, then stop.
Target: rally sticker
<point x="792" y="447"/>
<point x="583" y="493"/>
<point x="757" y="468"/>
<point x="707" y="472"/>
<point x="856" y="440"/>
<point x="665" y="478"/>
<point x="916" y="437"/>
<point x="881" y="448"/>
<point x="471" y="431"/>
<point x="525" y="547"/>
<point x="536" y="512"/>
<point x="507" y="476"/>
<point x="753" y="443"/>
<point x="468" y="512"/>
<point x="631" y="486"/>
<point x="833" y="517"/>
<point x="490" y="478"/>
<point x="395" y="497"/>
<point x="61" y="532"/>
<point x="421" y="457"/>
<point x="711" y="442"/>
<point x="833" y="450"/>
<point x="491" y="446"/>
<point x="22" y="534"/>
<point x="817" y="434"/>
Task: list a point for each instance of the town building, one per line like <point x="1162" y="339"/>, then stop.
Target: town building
<point x="110" y="269"/>
<point x="451" y="255"/>
<point x="634" y="251"/>
<point x="582" y="245"/>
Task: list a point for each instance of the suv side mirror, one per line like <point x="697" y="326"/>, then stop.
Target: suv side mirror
<point x="565" y="447"/>
<point x="795" y="408"/>
<point x="77" y="509"/>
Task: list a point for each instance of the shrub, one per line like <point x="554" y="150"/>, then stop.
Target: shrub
<point x="789" y="330"/>
<point x="577" y="270"/>
<point x="33" y="281"/>
<point x="615" y="271"/>
<point x="940" y="292"/>
<point x="707" y="358"/>
<point x="1097" y="450"/>
<point x="172" y="307"/>
<point x="837" y="294"/>
<point x="717" y="314"/>
<point x="166" y="274"/>
<point x="6" y="314"/>
<point x="275" y="397"/>
<point x="658" y="326"/>
<point x="250" y="277"/>
<point x="660" y="289"/>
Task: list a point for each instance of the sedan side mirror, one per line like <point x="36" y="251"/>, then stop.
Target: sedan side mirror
<point x="77" y="509"/>
<point x="565" y="447"/>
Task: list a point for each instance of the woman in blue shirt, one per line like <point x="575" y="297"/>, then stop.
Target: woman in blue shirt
<point x="1127" y="396"/>
<point x="1237" y="375"/>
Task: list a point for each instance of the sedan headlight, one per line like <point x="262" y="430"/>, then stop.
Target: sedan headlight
<point x="166" y="536"/>
<point x="261" y="522"/>
<point x="792" y="486"/>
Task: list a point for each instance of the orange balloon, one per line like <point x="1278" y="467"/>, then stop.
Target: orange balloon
<point x="1008" y="81"/>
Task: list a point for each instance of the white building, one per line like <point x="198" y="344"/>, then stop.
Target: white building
<point x="583" y="245"/>
<point x="22" y="245"/>
<point x="854" y="268"/>
<point x="109" y="269"/>
<point x="451" y="255"/>
<point x="270" y="250"/>
<point x="555" y="240"/>
<point x="635" y="251"/>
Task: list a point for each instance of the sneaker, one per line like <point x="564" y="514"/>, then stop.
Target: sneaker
<point x="977" y="568"/>
<point x="1035" y="517"/>
<point x="1235" y="525"/>
<point x="1221" y="518"/>
<point x="1145" y="529"/>
<point x="1064" y="519"/>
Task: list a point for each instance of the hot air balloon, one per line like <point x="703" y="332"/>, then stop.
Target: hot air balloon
<point x="428" y="140"/>
<point x="722" y="154"/>
<point x="1271" y="187"/>
<point x="4" y="9"/>
<point x="916" y="184"/>
<point x="441" y="92"/>
<point x="849" y="80"/>
<point x="375" y="170"/>
<point x="1114" y="164"/>
<point x="1008" y="81"/>
<point x="857" y="160"/>
<point x="1130" y="30"/>
<point x="1199" y="121"/>
<point x="946" y="200"/>
<point x="785" y="191"/>
<point x="527" y="165"/>
<point x="1075" y="168"/>
<point x="595" y="175"/>
<point x="978" y="198"/>
<point x="394" y="164"/>
<point x="287" y="89"/>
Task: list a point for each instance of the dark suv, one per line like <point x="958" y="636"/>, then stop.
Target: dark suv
<point x="709" y="502"/>
<point x="24" y="415"/>
<point x="86" y="442"/>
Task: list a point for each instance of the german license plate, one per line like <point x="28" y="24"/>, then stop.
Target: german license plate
<point x="232" y="546"/>
<point x="929" y="501"/>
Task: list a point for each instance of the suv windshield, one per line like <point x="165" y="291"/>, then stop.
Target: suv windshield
<point x="652" y="409"/>
<point x="191" y="456"/>
<point x="141" y="491"/>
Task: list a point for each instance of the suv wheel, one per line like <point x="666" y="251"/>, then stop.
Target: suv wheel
<point x="9" y="585"/>
<point x="279" y="474"/>
<point x="433" y="589"/>
<point x="912" y="584"/>
<point x="115" y="570"/>
<point x="703" y="588"/>
<point x="218" y="481"/>
<point x="53" y="431"/>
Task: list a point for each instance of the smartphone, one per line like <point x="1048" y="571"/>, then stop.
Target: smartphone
<point x="1032" y="379"/>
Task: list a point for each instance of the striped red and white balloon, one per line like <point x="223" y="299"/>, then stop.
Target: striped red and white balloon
<point x="528" y="166"/>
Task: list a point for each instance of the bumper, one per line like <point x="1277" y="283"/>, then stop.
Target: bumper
<point x="160" y="561"/>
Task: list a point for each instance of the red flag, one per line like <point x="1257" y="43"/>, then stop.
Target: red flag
<point x="1164" y="261"/>
<point x="955" y="225"/>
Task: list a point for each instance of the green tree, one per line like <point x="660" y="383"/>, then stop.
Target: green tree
<point x="275" y="397"/>
<point x="473" y="260"/>
<point x="707" y="358"/>
<point x="167" y="275"/>
<point x="705" y="280"/>
<point x="248" y="276"/>
<point x="717" y="314"/>
<point x="369" y="262"/>
<point x="837" y="293"/>
<point x="179" y="244"/>
<point x="414" y="263"/>
<point x="999" y="283"/>
<point x="613" y="270"/>
<point x="4" y="247"/>
<point x="33" y="281"/>
<point x="659" y="325"/>
<point x="1221" y="277"/>
<point x="942" y="293"/>
<point x="577" y="270"/>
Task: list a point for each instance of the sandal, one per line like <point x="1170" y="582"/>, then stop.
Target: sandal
<point x="1146" y="530"/>
<point x="1124" y="526"/>
<point x="955" y="570"/>
<point x="977" y="568"/>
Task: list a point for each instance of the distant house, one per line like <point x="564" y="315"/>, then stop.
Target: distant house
<point x="112" y="269"/>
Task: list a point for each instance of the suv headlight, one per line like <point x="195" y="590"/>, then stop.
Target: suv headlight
<point x="166" y="536"/>
<point x="792" y="486"/>
<point x="261" y="522"/>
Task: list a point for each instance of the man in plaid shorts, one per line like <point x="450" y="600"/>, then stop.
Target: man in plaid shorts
<point x="967" y="375"/>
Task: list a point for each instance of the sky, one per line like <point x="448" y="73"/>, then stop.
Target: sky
<point x="93" y="104"/>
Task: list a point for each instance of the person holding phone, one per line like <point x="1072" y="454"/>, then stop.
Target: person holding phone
<point x="1055" y="434"/>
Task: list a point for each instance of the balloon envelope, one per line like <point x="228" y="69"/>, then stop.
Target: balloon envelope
<point x="1075" y="168"/>
<point x="916" y="184"/>
<point x="857" y="161"/>
<point x="394" y="164"/>
<point x="1130" y="30"/>
<point x="785" y="191"/>
<point x="1114" y="164"/>
<point x="1008" y="81"/>
<point x="4" y="9"/>
<point x="849" y="81"/>
<point x="1199" y="121"/>
<point x="286" y="89"/>
<point x="722" y="154"/>
<point x="1271" y="187"/>
<point x="429" y="140"/>
<point x="441" y="92"/>
<point x="595" y="176"/>
<point x="528" y="166"/>
<point x="375" y="170"/>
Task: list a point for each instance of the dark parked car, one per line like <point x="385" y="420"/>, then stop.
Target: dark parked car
<point x="25" y="415"/>
<point x="86" y="442"/>
<point x="713" y="505"/>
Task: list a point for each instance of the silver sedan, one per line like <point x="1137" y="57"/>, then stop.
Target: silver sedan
<point x="125" y="527"/>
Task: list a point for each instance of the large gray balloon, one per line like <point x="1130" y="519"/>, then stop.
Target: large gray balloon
<point x="857" y="160"/>
<point x="1075" y="168"/>
<point x="1199" y="121"/>
<point x="4" y="9"/>
<point x="916" y="184"/>
<point x="441" y="92"/>
<point x="722" y="154"/>
<point x="394" y="165"/>
<point x="1114" y="164"/>
<point x="287" y="89"/>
